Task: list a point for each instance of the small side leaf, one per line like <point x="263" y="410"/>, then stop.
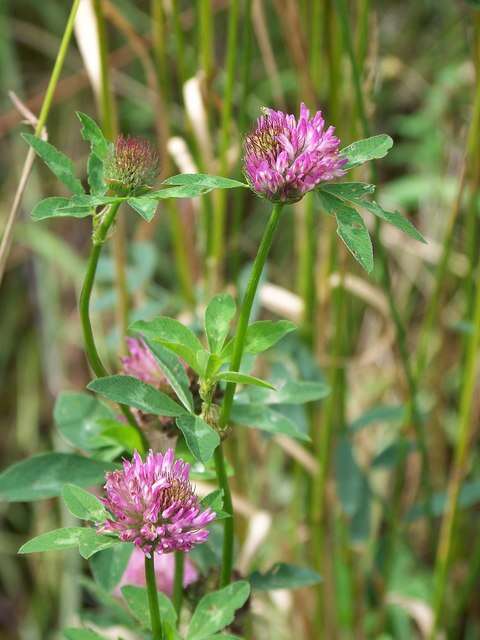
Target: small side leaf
<point x="393" y="217"/>
<point x="367" y="149"/>
<point x="56" y="540"/>
<point x="56" y="161"/>
<point x="144" y="206"/>
<point x="95" y="175"/>
<point x="174" y="371"/>
<point x="216" y="610"/>
<point x="92" y="133"/>
<point x="218" y="316"/>
<point x="261" y="335"/>
<point x="92" y="542"/>
<point x="201" y="439"/>
<point x="173" y="335"/>
<point x="242" y="378"/>
<point x="203" y="180"/>
<point x="267" y="419"/>
<point x="187" y="191"/>
<point x="348" y="190"/>
<point x="57" y="207"/>
<point x="83" y="504"/>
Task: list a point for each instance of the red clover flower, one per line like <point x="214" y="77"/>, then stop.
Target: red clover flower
<point x="153" y="505"/>
<point x="284" y="159"/>
<point x="140" y="363"/>
<point x="131" y="164"/>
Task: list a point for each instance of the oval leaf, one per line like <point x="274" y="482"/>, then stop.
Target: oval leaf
<point x="265" y="418"/>
<point x="242" y="378"/>
<point x="204" y="180"/>
<point x="367" y="149"/>
<point x="80" y="418"/>
<point x="92" y="133"/>
<point x="56" y="161"/>
<point x="45" y="475"/>
<point x="262" y="335"/>
<point x="216" y="610"/>
<point x="173" y="335"/>
<point x="57" y="207"/>
<point x="144" y="206"/>
<point x="201" y="439"/>
<point x="135" y="393"/>
<point x="218" y="315"/>
<point x="56" y="540"/>
<point x="83" y="504"/>
<point x="174" y="371"/>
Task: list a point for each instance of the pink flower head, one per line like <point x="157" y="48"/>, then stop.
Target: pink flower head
<point x="141" y="364"/>
<point x="132" y="163"/>
<point x="153" y="505"/>
<point x="164" y="572"/>
<point x="284" y="159"/>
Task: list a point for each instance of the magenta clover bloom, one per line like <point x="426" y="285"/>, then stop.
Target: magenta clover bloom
<point x="284" y="159"/>
<point x="153" y="505"/>
<point x="140" y="363"/>
<point x="131" y="164"/>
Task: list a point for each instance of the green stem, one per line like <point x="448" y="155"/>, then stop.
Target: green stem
<point x="57" y="69"/>
<point x="238" y="346"/>
<point x="98" y="239"/>
<point x="459" y="468"/>
<point x="177" y="595"/>
<point x="246" y="309"/>
<point x="228" y="526"/>
<point x="157" y="629"/>
<point x="308" y="252"/>
<point x="205" y="39"/>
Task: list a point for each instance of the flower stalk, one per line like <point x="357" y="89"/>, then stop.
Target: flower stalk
<point x="177" y="596"/>
<point x="156" y="622"/>
<point x="98" y="239"/>
<point x="238" y="347"/>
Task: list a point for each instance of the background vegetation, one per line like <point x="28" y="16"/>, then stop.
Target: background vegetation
<point x="365" y="503"/>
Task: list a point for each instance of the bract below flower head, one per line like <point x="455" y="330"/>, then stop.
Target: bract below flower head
<point x="285" y="158"/>
<point x="153" y="505"/>
<point x="131" y="164"/>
